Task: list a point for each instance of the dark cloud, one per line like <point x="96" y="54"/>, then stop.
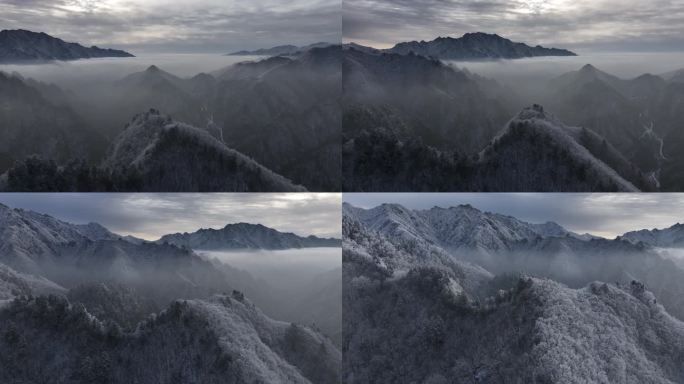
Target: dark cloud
<point x="632" y="25"/>
<point x="178" y="25"/>
<point x="601" y="214"/>
<point x="153" y="215"/>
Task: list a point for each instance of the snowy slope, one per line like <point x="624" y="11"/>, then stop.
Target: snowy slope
<point x="14" y="284"/>
<point x="538" y="331"/>
<point x="167" y="155"/>
<point x="536" y="144"/>
<point x="416" y="312"/>
<point x="503" y="245"/>
<point x="29" y="237"/>
<point x="455" y="227"/>
<point x="224" y="339"/>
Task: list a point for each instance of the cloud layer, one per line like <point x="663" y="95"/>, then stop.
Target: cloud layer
<point x="617" y="25"/>
<point x="178" y="25"/>
<point x="151" y="215"/>
<point x="601" y="214"/>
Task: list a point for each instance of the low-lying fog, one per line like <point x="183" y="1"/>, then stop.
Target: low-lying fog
<point x="72" y="74"/>
<point x="528" y="78"/>
<point x="674" y="254"/>
<point x="625" y="65"/>
<point x="283" y="267"/>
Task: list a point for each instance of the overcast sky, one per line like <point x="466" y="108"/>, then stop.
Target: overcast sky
<point x="617" y="25"/>
<point x="150" y="216"/>
<point x="602" y="214"/>
<point x="178" y="25"/>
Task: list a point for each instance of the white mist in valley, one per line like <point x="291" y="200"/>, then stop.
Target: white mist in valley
<point x="674" y="254"/>
<point x="78" y="73"/>
<point x="625" y="65"/>
<point x="529" y="77"/>
<point x="285" y="268"/>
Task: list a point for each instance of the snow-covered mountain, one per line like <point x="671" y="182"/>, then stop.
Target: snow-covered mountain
<point x="461" y="227"/>
<point x="245" y="236"/>
<point x="672" y="237"/>
<point x="71" y="255"/>
<point x="106" y="291"/>
<point x="417" y="310"/>
<point x="14" y="284"/>
<point x="223" y="339"/>
<point x="476" y="46"/>
<point x="19" y="46"/>
<point x="505" y="245"/>
<point x="537" y="152"/>
<point x="534" y="152"/>
<point x="165" y="155"/>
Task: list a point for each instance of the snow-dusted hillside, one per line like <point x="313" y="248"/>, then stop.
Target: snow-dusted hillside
<point x="165" y="155"/>
<point x="105" y="285"/>
<point x="461" y="227"/>
<point x="29" y="238"/>
<point x="505" y="245"/>
<point x="424" y="302"/>
<point x="534" y="152"/>
<point x="245" y="236"/>
<point x="224" y="339"/>
<point x="15" y="284"/>
<point x="538" y="152"/>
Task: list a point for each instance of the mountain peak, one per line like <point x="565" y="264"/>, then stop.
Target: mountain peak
<point x="153" y="69"/>
<point x="535" y="111"/>
<point x="481" y="35"/>
<point x="588" y="68"/>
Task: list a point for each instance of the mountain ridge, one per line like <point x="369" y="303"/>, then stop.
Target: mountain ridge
<point x="26" y="46"/>
<point x="475" y="46"/>
<point x="253" y="236"/>
<point x="445" y="318"/>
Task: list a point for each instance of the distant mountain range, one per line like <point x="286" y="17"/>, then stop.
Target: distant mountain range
<point x="472" y="46"/>
<point x="672" y="237"/>
<point x="245" y="236"/>
<point x="484" y="297"/>
<point x="281" y="50"/>
<point x="20" y="46"/>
